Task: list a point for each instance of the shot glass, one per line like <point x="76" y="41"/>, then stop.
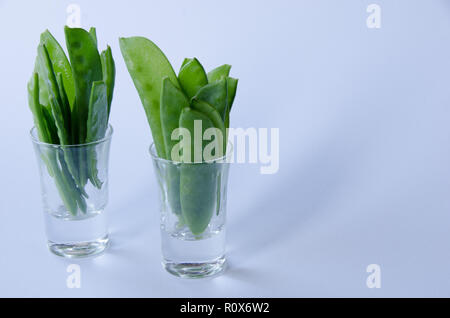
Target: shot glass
<point x="74" y="186"/>
<point x="193" y="199"/>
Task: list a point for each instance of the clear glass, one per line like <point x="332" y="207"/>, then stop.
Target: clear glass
<point x="193" y="213"/>
<point x="74" y="186"/>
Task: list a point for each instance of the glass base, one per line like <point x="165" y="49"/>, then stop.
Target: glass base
<point x="79" y="249"/>
<point x="196" y="270"/>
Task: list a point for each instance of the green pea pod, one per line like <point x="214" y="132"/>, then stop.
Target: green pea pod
<point x="217" y="122"/>
<point x="97" y="125"/>
<point x="232" y="87"/>
<point x="185" y="61"/>
<point x="68" y="153"/>
<point x="86" y="69"/>
<point x="197" y="180"/>
<point x="47" y="75"/>
<point x="65" y="105"/>
<point x="45" y="136"/>
<point x="71" y="187"/>
<point x="97" y="122"/>
<point x="219" y="73"/>
<point x="173" y="101"/>
<point x="192" y="77"/>
<point x="59" y="122"/>
<point x="93" y="33"/>
<point x="147" y="65"/>
<point x="63" y="185"/>
<point x="50" y="125"/>
<point x="198" y="195"/>
<point x="215" y="94"/>
<point x="60" y="112"/>
<point x="60" y="64"/>
<point x="37" y="109"/>
<point x="109" y="74"/>
<point x="60" y="109"/>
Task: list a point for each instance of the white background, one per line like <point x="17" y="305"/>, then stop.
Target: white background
<point x="364" y="149"/>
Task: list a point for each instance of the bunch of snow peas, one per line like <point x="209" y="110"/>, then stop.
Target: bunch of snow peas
<point x="174" y="101"/>
<point x="71" y="103"/>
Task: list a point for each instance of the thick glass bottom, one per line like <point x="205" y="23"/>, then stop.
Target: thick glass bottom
<point x="79" y="249"/>
<point x="196" y="270"/>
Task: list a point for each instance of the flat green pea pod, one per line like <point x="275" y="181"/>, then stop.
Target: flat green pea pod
<point x="198" y="181"/>
<point x="109" y="74"/>
<point x="93" y="33"/>
<point x="50" y="125"/>
<point x="97" y="124"/>
<point x="192" y="77"/>
<point x="198" y="192"/>
<point x="147" y="66"/>
<point x="60" y="111"/>
<point x="86" y="69"/>
<point x="218" y="146"/>
<point x="232" y="87"/>
<point x="173" y="101"/>
<point x="60" y="64"/>
<point x="223" y="72"/>
<point x="49" y="157"/>
<point x="47" y="76"/>
<point x="215" y="94"/>
<point x="37" y="109"/>
<point x="219" y="73"/>
<point x="185" y="61"/>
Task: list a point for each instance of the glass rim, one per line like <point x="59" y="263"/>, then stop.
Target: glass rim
<point x="223" y="159"/>
<point x="35" y="140"/>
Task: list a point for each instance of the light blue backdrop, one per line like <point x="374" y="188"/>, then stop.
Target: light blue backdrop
<point x="364" y="152"/>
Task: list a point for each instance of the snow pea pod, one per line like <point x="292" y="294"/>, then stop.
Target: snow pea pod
<point x="185" y="61"/>
<point x="44" y="135"/>
<point x="217" y="122"/>
<point x="69" y="184"/>
<point x="60" y="114"/>
<point x="197" y="180"/>
<point x="93" y="33"/>
<point x="109" y="73"/>
<point x="62" y="184"/>
<point x="147" y="65"/>
<point x="192" y="77"/>
<point x="60" y="64"/>
<point x="173" y="101"/>
<point x="50" y="125"/>
<point x="47" y="75"/>
<point x="69" y="154"/>
<point x="215" y="94"/>
<point x="86" y="69"/>
<point x="37" y="109"/>
<point x="219" y="73"/>
<point x="97" y="124"/>
<point x="232" y="87"/>
<point x="198" y="194"/>
<point x="65" y="105"/>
